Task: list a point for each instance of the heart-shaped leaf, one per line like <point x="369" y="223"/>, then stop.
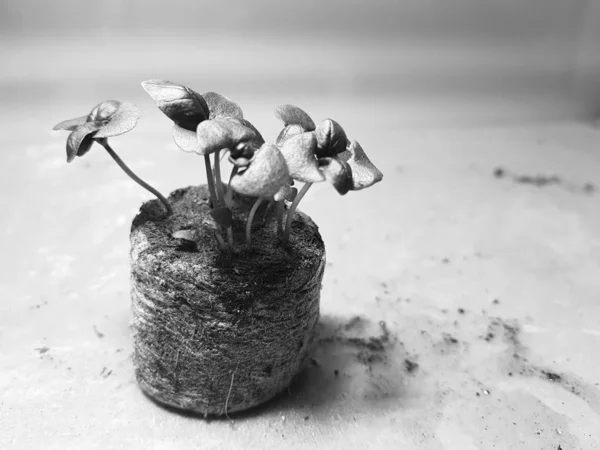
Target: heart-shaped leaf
<point x="299" y="154"/>
<point x="265" y="175"/>
<point x="258" y="141"/>
<point x="331" y="139"/>
<point x="338" y="173"/>
<point x="220" y="106"/>
<point x="186" y="140"/>
<point x="80" y="140"/>
<point x="364" y="172"/>
<point x="179" y="103"/>
<point x="286" y="192"/>
<point x="217" y="134"/>
<point x="292" y="115"/>
<point x="123" y="119"/>
<point x="222" y="216"/>
<point x="70" y="124"/>
<point x="287" y="132"/>
<point x="102" y="112"/>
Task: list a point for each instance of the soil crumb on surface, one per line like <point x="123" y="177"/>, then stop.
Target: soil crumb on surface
<point x="546" y="180"/>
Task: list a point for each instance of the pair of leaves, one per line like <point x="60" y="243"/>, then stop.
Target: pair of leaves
<point x="314" y="153"/>
<point x="107" y="119"/>
<point x="226" y="132"/>
<point x="188" y="109"/>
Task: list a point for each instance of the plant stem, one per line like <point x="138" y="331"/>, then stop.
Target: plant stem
<point x="250" y="219"/>
<point x="268" y="211"/>
<point x="279" y="217"/>
<point x="230" y="238"/>
<point x="218" y="182"/>
<point x="134" y="177"/>
<point x="292" y="210"/>
<point x="229" y="193"/>
<point x="220" y="240"/>
<point x="211" y="182"/>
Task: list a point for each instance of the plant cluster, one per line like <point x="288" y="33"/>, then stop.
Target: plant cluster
<point x="214" y="127"/>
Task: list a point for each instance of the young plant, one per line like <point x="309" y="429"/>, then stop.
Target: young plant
<point x="324" y="150"/>
<point x="211" y="124"/>
<point x="205" y="124"/>
<point x="109" y="118"/>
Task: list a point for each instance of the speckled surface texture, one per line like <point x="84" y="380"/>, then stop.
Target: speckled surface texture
<point x="460" y="304"/>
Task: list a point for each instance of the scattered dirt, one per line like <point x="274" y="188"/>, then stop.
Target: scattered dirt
<point x="369" y="350"/>
<point x="42" y="350"/>
<point x="449" y="339"/>
<point x="546" y="180"/>
<point x="98" y="333"/>
<point x="410" y="366"/>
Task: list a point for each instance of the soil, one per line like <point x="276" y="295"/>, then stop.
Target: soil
<point x="216" y="332"/>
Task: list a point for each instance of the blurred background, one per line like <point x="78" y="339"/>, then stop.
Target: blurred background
<point x="415" y="61"/>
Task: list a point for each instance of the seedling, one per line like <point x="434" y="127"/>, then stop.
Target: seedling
<point x="109" y="118"/>
<point x="211" y="124"/>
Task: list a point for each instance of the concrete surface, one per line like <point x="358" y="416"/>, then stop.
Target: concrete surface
<point x="488" y="285"/>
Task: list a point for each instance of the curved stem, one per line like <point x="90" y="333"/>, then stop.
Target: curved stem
<point x="250" y="219"/>
<point x="210" y="181"/>
<point x="218" y="182"/>
<point x="134" y="177"/>
<point x="220" y="240"/>
<point x="292" y="210"/>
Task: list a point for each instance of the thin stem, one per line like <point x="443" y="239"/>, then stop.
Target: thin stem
<point x="292" y="210"/>
<point x="268" y="211"/>
<point x="210" y="181"/>
<point x="230" y="238"/>
<point x="218" y="182"/>
<point x="250" y="219"/>
<point x="134" y="177"/>
<point x="220" y="240"/>
<point x="279" y="217"/>
<point x="229" y="193"/>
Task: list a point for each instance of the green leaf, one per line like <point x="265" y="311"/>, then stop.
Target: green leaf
<point x="70" y="124"/>
<point x="338" y="173"/>
<point x="220" y="106"/>
<point x="364" y="172"/>
<point x="179" y="103"/>
<point x="222" y="216"/>
<point x="80" y="140"/>
<point x="287" y="132"/>
<point x="331" y="139"/>
<point x="124" y="119"/>
<point x="292" y="115"/>
<point x="299" y="154"/>
<point x="217" y="134"/>
<point x="186" y="140"/>
<point x="258" y="141"/>
<point x="265" y="175"/>
<point x="286" y="192"/>
<point x="102" y="112"/>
